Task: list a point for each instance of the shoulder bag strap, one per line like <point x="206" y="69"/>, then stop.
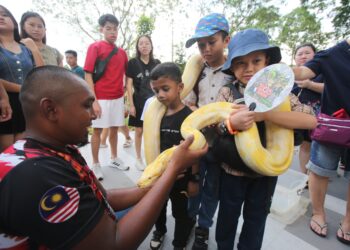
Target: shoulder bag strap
<point x="113" y="52"/>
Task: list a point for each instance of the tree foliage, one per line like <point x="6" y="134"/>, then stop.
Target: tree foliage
<point x="145" y="25"/>
<point x="300" y="26"/>
<point x="83" y="15"/>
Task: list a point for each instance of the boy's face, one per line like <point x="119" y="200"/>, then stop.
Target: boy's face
<point x="110" y="32"/>
<point x="71" y="60"/>
<point x="212" y="49"/>
<point x="244" y="67"/>
<point x="167" y="90"/>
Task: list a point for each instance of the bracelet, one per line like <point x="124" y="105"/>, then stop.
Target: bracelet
<point x="231" y="130"/>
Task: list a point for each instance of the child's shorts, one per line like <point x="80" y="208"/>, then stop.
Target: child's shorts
<point x="324" y="160"/>
<point x="112" y="114"/>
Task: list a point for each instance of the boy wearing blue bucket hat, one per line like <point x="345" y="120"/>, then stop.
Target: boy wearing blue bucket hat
<point x="249" y="52"/>
<point x="212" y="37"/>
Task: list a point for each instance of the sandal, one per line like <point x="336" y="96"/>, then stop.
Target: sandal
<point x="341" y="239"/>
<point x="128" y="143"/>
<point x="324" y="226"/>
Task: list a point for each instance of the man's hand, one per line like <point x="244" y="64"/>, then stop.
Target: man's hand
<point x="184" y="157"/>
<point x="97" y="109"/>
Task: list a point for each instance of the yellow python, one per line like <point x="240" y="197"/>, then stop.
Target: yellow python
<point x="270" y="161"/>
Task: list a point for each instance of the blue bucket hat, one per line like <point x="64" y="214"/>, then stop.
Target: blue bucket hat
<point x="207" y="26"/>
<point x="247" y="41"/>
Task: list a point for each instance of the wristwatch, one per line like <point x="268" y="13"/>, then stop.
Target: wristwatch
<point x="195" y="177"/>
<point x="222" y="129"/>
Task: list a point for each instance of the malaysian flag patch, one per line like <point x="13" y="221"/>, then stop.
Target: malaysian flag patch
<point x="59" y="204"/>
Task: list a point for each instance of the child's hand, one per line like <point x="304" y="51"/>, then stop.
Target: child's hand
<point x="242" y="119"/>
<point x="192" y="188"/>
<point x="132" y="110"/>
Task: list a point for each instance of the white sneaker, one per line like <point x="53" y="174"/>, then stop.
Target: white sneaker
<point x="140" y="165"/>
<point x="96" y="168"/>
<point x="128" y="143"/>
<point x="118" y="164"/>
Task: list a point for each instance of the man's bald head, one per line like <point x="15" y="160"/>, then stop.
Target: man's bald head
<point x="55" y="83"/>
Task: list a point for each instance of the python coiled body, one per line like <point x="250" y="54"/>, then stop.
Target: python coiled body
<point x="270" y="161"/>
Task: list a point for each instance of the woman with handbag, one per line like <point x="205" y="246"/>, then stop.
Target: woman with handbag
<point x="309" y="92"/>
<point x="16" y="60"/>
<point x="334" y="65"/>
<point x="139" y="89"/>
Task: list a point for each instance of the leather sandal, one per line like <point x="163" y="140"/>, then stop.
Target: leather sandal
<point x="341" y="239"/>
<point x="320" y="226"/>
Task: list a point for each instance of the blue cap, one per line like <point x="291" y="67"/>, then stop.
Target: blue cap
<point x="247" y="41"/>
<point x="207" y="26"/>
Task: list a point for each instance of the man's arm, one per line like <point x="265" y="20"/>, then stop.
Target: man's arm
<point x="131" y="230"/>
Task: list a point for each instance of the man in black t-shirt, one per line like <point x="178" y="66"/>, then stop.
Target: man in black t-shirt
<point x="49" y="196"/>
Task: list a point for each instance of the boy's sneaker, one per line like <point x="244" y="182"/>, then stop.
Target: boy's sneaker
<point x="118" y="164"/>
<point x="140" y="165"/>
<point x="96" y="168"/>
<point x="157" y="240"/>
<point x="201" y="239"/>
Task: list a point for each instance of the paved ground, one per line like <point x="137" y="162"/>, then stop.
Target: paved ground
<point x="287" y="231"/>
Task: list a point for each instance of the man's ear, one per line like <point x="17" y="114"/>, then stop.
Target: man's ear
<point x="48" y="109"/>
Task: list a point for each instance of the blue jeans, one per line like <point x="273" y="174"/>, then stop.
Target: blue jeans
<point x="324" y="159"/>
<point x="256" y="195"/>
<point x="205" y="203"/>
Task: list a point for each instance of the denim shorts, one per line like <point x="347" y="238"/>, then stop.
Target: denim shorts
<point x="324" y="160"/>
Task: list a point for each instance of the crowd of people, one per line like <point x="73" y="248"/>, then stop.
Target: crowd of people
<point x="51" y="198"/>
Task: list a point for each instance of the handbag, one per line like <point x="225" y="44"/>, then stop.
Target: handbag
<point x="100" y="65"/>
<point x="332" y="130"/>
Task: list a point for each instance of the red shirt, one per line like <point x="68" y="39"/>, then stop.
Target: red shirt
<point x="110" y="85"/>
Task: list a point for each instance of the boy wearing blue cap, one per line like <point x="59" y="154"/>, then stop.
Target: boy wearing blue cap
<point x="212" y="37"/>
<point x="249" y="52"/>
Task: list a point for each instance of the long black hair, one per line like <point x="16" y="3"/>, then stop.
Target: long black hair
<point x="15" y="24"/>
<point x="24" y="18"/>
<point x="138" y="54"/>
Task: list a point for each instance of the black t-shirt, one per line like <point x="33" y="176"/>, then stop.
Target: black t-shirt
<point x="170" y="125"/>
<point x="137" y="69"/>
<point x="170" y="135"/>
<point x="334" y="65"/>
<point x="44" y="198"/>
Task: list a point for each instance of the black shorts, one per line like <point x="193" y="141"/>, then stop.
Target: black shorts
<point x="17" y="123"/>
<point x="136" y="121"/>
